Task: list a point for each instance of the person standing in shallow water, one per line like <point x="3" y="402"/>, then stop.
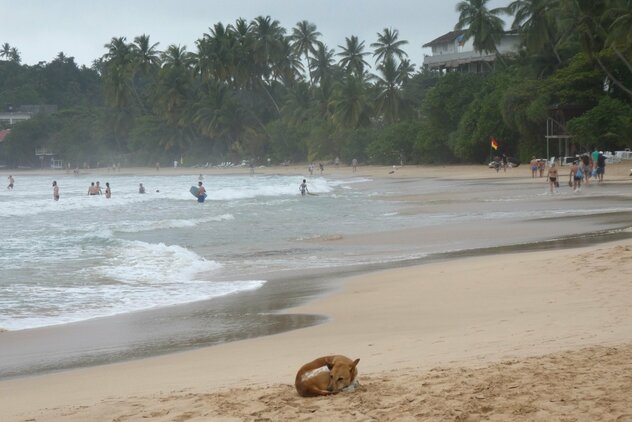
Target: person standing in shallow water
<point x="303" y="188"/>
<point x="55" y="191"/>
<point x="108" y="191"/>
<point x="11" y="181"/>
<point x="534" y="167"/>
<point x="552" y="177"/>
<point x="201" y="193"/>
<point x="92" y="190"/>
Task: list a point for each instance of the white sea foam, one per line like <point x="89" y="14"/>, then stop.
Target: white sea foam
<point x="88" y="256"/>
<point x="132" y="276"/>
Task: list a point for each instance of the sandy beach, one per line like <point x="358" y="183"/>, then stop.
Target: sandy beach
<point x="518" y="336"/>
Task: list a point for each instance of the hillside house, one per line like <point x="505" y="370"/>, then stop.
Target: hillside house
<point x="451" y="52"/>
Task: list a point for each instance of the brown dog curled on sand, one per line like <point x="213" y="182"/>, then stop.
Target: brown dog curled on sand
<point x="327" y="375"/>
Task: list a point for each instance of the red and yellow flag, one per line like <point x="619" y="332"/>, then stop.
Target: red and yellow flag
<point x="494" y="143"/>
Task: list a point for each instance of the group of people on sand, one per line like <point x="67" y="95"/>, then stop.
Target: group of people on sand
<point x="584" y="168"/>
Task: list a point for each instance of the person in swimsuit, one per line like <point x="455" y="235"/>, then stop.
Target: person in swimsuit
<point x="303" y="187"/>
<point x="575" y="176"/>
<point x="552" y="177"/>
<point x="534" y="167"/>
<point x="141" y="188"/>
<point x="55" y="191"/>
<point x="92" y="190"/>
<point x="11" y="181"/>
<point x="201" y="193"/>
<point x="108" y="191"/>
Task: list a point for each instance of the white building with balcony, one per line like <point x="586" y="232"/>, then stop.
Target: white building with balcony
<point x="451" y="52"/>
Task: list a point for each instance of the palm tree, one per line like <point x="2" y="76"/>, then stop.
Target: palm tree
<point x="174" y="86"/>
<point x="304" y="39"/>
<point x="620" y="30"/>
<point x="244" y="61"/>
<point x="146" y="56"/>
<point x="118" y="90"/>
<point x="145" y="65"/>
<point x="322" y="63"/>
<point x="481" y="24"/>
<point x="351" y="103"/>
<point x="288" y="67"/>
<point x="388" y="45"/>
<point x="593" y="35"/>
<point x="298" y="107"/>
<point x="388" y="86"/>
<point x="405" y="69"/>
<point x="532" y="18"/>
<point x="118" y="73"/>
<point x="215" y="53"/>
<point x="268" y="34"/>
<point x="5" y="50"/>
<point x="353" y="56"/>
<point x="15" y="56"/>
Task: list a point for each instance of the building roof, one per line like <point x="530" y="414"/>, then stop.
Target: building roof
<point x="449" y="37"/>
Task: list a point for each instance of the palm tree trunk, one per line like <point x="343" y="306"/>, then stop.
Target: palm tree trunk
<point x="612" y="78"/>
<point x="276" y="106"/>
<point x="550" y="38"/>
<point x="623" y="59"/>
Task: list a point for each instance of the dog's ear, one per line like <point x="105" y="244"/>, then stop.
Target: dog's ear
<point x="355" y="363"/>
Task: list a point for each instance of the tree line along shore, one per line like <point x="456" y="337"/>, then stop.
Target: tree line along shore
<point x="255" y="90"/>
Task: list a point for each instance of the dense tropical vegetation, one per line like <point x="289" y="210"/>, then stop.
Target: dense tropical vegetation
<point x="256" y="90"/>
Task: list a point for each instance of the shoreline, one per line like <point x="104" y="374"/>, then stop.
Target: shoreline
<point x="472" y="313"/>
<point x="298" y="287"/>
<point x="616" y="172"/>
<point x="418" y="317"/>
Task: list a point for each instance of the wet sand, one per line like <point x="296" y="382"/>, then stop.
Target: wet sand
<point x="466" y="317"/>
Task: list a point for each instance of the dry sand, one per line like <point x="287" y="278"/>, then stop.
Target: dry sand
<point x="530" y="336"/>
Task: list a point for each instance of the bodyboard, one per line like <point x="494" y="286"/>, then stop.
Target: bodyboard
<point x="194" y="191"/>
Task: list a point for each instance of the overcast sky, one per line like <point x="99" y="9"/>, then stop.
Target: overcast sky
<point x="40" y="29"/>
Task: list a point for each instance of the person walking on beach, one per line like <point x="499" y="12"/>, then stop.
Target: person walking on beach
<point x="552" y="178"/>
<point x="141" y="188"/>
<point x="322" y="168"/>
<point x="601" y="167"/>
<point x="55" y="191"/>
<point x="534" y="167"/>
<point x="201" y="196"/>
<point x="595" y="156"/>
<point x="108" y="191"/>
<point x="303" y="188"/>
<point x="11" y="182"/>
<point x="354" y="163"/>
<point x="575" y="176"/>
<point x="586" y="168"/>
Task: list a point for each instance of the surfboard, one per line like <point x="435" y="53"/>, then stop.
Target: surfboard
<point x="194" y="191"/>
<point x="312" y="193"/>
